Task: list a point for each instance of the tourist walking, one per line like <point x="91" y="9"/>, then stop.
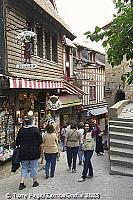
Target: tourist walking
<point x="63" y="134"/>
<point x="29" y="141"/>
<point x="72" y="141"/>
<point x="88" y="148"/>
<point x="99" y="144"/>
<point x="50" y="142"/>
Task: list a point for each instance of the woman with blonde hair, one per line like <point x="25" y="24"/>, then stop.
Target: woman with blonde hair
<point x="50" y="142"/>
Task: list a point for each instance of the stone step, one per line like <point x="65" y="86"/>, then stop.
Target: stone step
<point x="121" y="129"/>
<point x="121" y="123"/>
<point x="121" y="170"/>
<point x="121" y="135"/>
<point x="121" y="143"/>
<point x="123" y="119"/>
<point x="121" y="161"/>
<point x="121" y="152"/>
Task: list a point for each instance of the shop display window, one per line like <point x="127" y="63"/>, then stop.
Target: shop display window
<point x="25" y="103"/>
<point x="6" y="135"/>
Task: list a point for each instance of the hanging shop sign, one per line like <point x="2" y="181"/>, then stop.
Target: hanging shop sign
<point x="26" y="39"/>
<point x="54" y="103"/>
<point x="25" y="66"/>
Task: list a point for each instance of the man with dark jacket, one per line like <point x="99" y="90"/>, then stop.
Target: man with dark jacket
<point x="30" y="142"/>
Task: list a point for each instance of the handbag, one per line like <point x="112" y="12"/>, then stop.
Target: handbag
<point x="15" y="159"/>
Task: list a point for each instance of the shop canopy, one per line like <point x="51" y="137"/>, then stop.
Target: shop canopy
<point x="97" y="111"/>
<point x="69" y="100"/>
<point x="72" y="89"/>
<point x="25" y="83"/>
<point x="34" y="84"/>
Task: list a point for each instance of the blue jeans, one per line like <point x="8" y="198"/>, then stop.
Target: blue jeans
<point x="27" y="165"/>
<point x="50" y="163"/>
<point x="63" y="146"/>
<point x="80" y="154"/>
<point x="72" y="156"/>
<point x="87" y="163"/>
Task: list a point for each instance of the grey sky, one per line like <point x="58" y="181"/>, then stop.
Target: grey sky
<point x="84" y="15"/>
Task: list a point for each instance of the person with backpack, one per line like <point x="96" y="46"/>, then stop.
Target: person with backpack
<point x="72" y="142"/>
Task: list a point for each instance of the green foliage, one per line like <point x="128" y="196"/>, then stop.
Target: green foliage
<point x="128" y="77"/>
<point x="118" y="35"/>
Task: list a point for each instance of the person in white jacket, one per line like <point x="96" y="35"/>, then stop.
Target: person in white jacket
<point x="88" y="149"/>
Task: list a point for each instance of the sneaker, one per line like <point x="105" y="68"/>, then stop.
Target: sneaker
<point x="81" y="180"/>
<point x="89" y="176"/>
<point x="51" y="176"/>
<point x="35" y="184"/>
<point x="22" y="186"/>
<point x="100" y="154"/>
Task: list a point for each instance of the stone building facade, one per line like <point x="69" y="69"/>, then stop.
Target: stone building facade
<point x="113" y="81"/>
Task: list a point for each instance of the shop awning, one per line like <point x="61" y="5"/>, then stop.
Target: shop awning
<point x="97" y="111"/>
<point x="44" y="84"/>
<point x="72" y="89"/>
<point x="69" y="100"/>
<point x="34" y="84"/>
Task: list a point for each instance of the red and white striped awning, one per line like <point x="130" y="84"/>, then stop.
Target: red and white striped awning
<point x="34" y="84"/>
<point x="24" y="83"/>
<point x="72" y="89"/>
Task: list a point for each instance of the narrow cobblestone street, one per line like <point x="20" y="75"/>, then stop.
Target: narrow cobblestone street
<point x="109" y="187"/>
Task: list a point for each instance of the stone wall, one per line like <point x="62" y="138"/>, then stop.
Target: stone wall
<point x="113" y="81"/>
<point x="116" y="109"/>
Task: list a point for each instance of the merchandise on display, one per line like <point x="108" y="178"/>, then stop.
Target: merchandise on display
<point x="6" y="135"/>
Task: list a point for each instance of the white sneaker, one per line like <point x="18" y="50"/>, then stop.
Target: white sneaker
<point x="81" y="180"/>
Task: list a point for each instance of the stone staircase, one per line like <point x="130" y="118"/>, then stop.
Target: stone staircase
<point x="121" y="146"/>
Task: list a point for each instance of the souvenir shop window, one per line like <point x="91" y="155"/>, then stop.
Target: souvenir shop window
<point x="25" y="103"/>
<point x="7" y="137"/>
